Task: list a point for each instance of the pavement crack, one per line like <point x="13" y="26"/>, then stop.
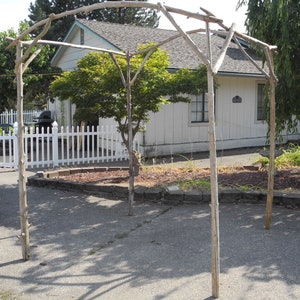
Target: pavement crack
<point x="125" y="234"/>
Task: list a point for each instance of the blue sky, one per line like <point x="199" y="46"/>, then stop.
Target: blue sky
<point x="13" y="11"/>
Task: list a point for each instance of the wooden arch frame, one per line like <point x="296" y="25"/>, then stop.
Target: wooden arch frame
<point x="23" y="60"/>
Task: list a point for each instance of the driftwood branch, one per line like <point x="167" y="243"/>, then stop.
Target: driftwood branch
<point x="209" y="17"/>
<point x="34" y="42"/>
<point x="239" y="34"/>
<point x="185" y="36"/>
<point x="119" y="69"/>
<point x="220" y="22"/>
<point x="215" y="254"/>
<point x="271" y="170"/>
<point x="64" y="44"/>
<point x="23" y="206"/>
<point x="32" y="57"/>
<point x="175" y="36"/>
<point x="270" y="62"/>
<point x="142" y="66"/>
<point x="208" y="13"/>
<point x="255" y="41"/>
<point x="130" y="137"/>
<point x="273" y="80"/>
<point x="251" y="59"/>
<point x="221" y="58"/>
<point x="114" y="4"/>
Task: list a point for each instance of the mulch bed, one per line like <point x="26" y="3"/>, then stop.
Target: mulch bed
<point x="287" y="179"/>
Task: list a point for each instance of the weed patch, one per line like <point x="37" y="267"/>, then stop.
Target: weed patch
<point x="7" y="295"/>
<point x="190" y="184"/>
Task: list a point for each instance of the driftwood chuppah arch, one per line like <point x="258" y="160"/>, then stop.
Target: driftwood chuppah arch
<point x="24" y="59"/>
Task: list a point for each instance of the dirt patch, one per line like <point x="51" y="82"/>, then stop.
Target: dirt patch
<point x="285" y="180"/>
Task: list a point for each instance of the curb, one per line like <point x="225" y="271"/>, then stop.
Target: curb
<point x="168" y="195"/>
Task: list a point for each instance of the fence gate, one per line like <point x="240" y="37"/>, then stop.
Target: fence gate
<point x="63" y="146"/>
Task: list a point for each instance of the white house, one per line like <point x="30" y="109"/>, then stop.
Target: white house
<point x="182" y="127"/>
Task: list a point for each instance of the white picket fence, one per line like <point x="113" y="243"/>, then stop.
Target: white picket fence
<point x="10" y="116"/>
<point x="63" y="146"/>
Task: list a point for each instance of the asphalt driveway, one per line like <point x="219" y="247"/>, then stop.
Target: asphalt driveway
<point x="86" y="247"/>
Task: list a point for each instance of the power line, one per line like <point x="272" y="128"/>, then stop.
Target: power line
<point x="30" y="74"/>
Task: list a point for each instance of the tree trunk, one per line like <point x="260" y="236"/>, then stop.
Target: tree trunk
<point x="24" y="237"/>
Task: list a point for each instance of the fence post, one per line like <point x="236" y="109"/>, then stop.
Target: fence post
<point x="12" y="117"/>
<point x="55" y="143"/>
<point x="15" y="145"/>
<point x="6" y="117"/>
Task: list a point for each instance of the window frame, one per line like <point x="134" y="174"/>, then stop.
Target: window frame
<point x="260" y="115"/>
<point x="202" y="111"/>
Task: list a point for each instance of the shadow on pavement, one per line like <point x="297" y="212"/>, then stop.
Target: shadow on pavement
<point x="86" y="247"/>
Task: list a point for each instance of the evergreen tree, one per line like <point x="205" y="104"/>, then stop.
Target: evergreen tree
<point x="36" y="78"/>
<point x="41" y="9"/>
<point x="8" y="92"/>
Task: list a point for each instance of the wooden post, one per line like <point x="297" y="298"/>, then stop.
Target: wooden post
<point x="130" y="146"/>
<point x="273" y="81"/>
<point x="215" y="246"/>
<point x="24" y="237"/>
<point x="272" y="154"/>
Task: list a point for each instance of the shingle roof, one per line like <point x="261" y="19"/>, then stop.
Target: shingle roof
<point x="127" y="38"/>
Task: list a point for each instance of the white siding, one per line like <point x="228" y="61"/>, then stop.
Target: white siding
<point x="170" y="130"/>
<point x="237" y="121"/>
<point x="69" y="56"/>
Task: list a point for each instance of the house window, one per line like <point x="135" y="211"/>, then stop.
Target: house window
<point x="199" y="108"/>
<point x="81" y="36"/>
<point x="261" y="115"/>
